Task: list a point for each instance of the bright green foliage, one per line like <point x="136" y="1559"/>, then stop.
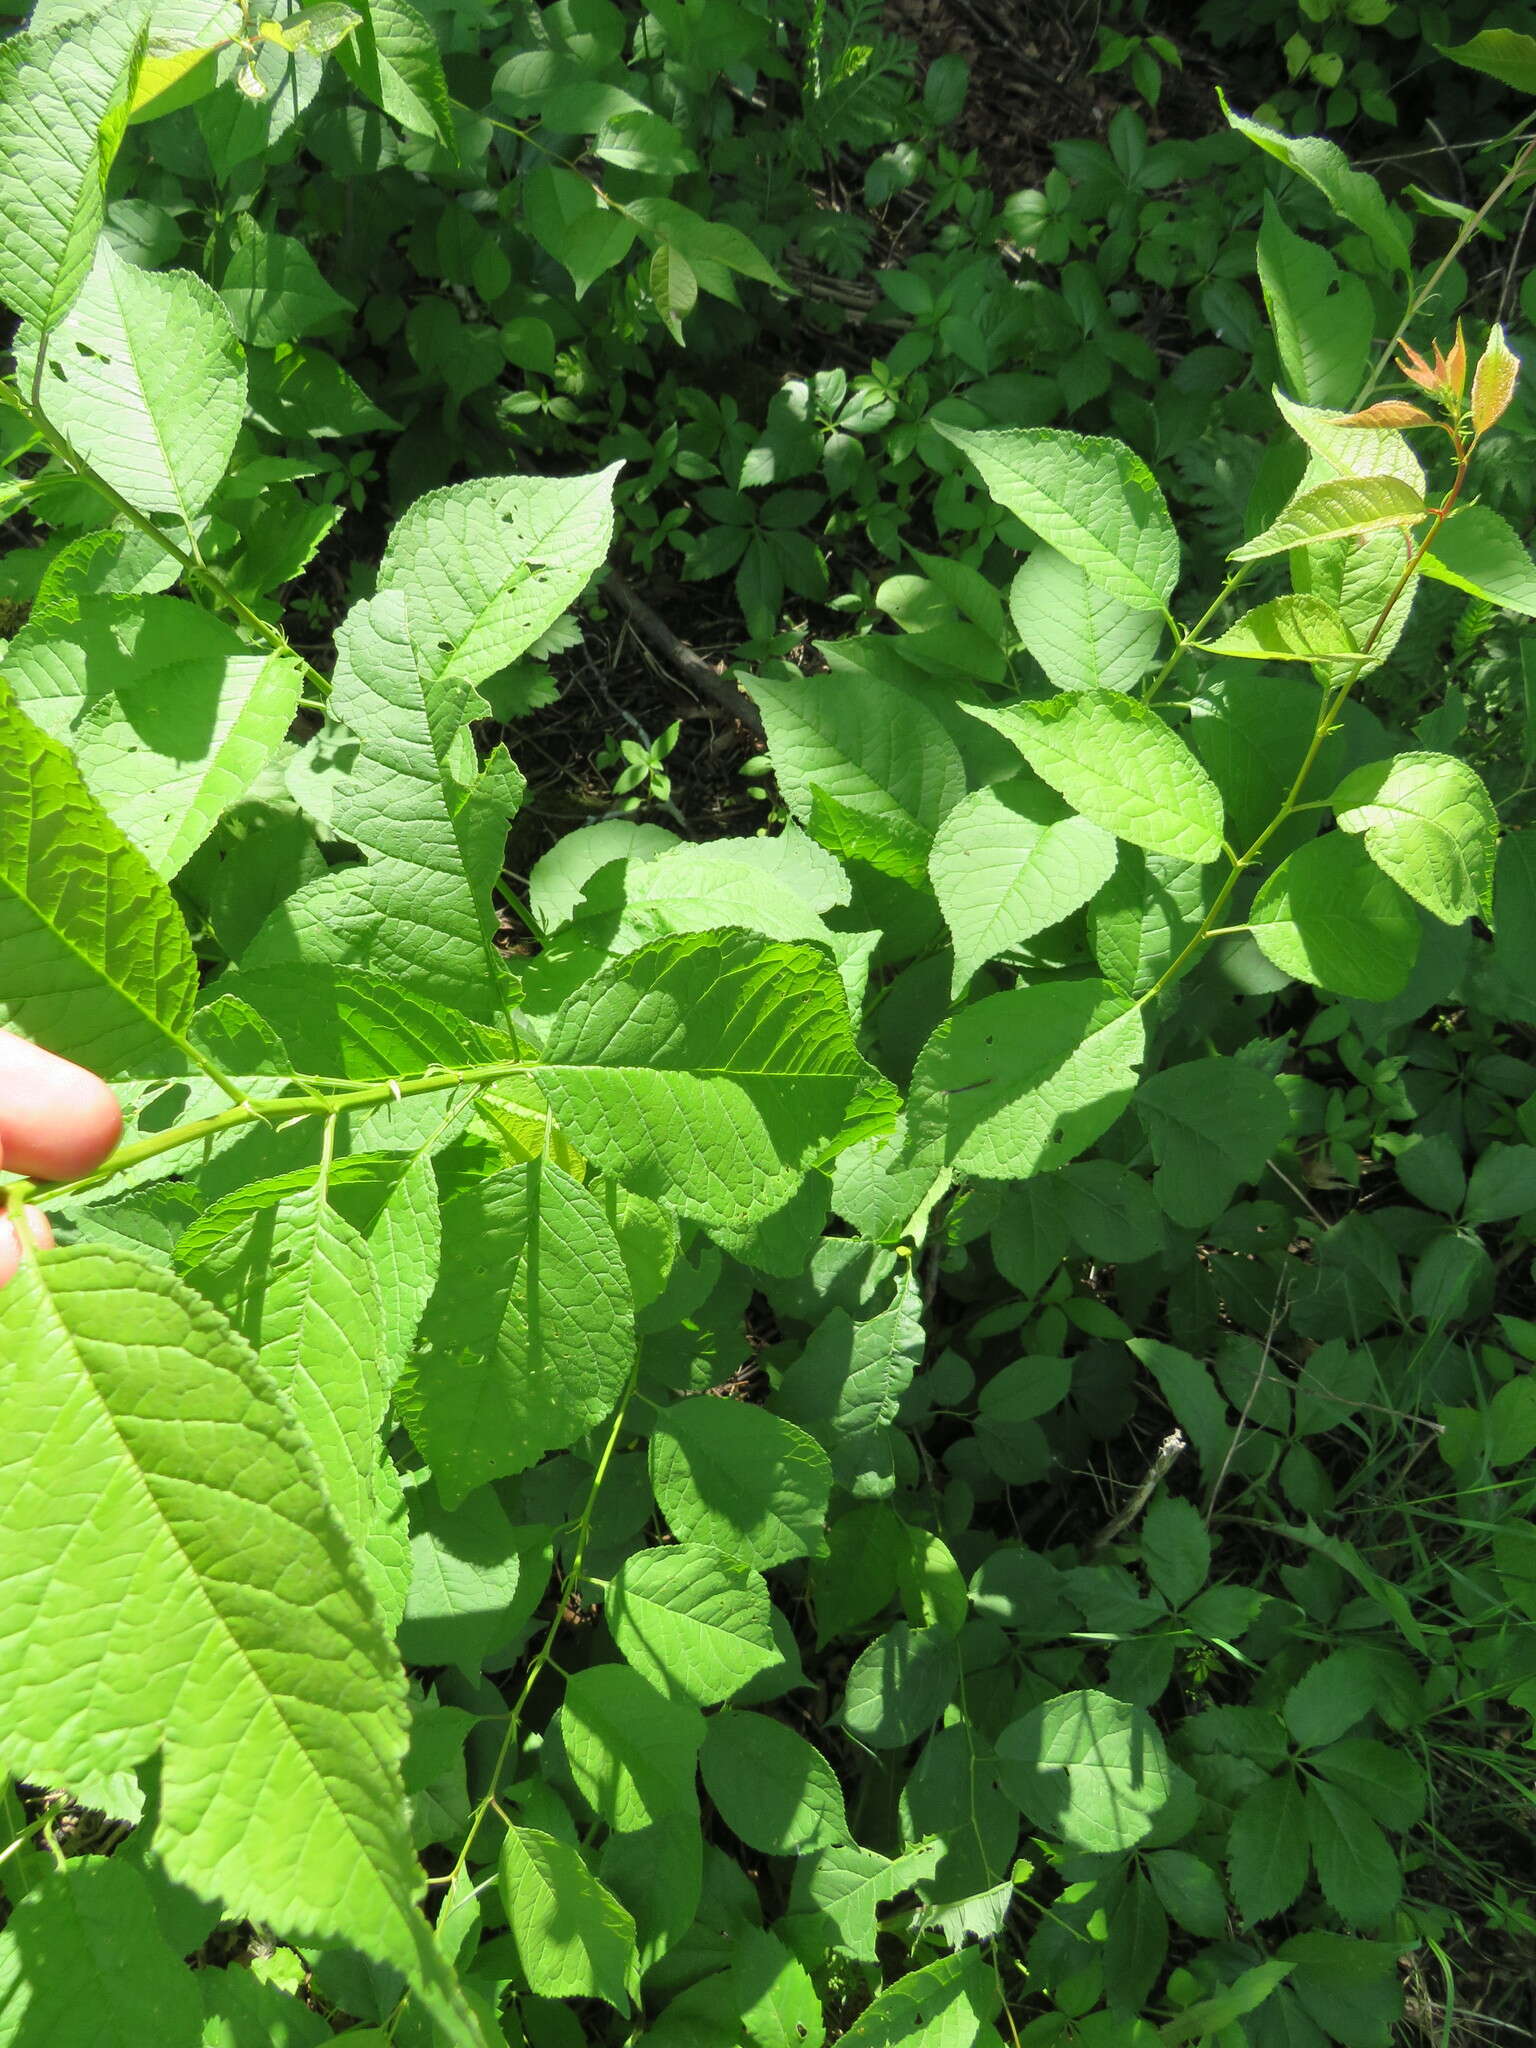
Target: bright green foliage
<point x="743" y="1480"/>
<point x="64" y="94"/>
<point x="1428" y="822"/>
<point x="692" y="1620"/>
<point x="1091" y="500"/>
<point x="572" y="1938"/>
<point x="867" y="1381"/>
<point x="1082" y="637"/>
<point x="144" y="376"/>
<point x="271" y="1689"/>
<point x="1118" y="765"/>
<point x="770" y="1786"/>
<point x="1328" y="917"/>
<point x="527" y="1340"/>
<point x="169" y="714"/>
<point x="1010" y="861"/>
<point x="100" y="964"/>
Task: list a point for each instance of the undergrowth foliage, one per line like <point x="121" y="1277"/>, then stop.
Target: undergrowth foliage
<point x="539" y="1495"/>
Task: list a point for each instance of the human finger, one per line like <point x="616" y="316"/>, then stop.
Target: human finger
<point x="56" y="1120"/>
<point x="10" y="1242"/>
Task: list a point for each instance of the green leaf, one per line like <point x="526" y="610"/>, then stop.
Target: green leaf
<point x="1090" y="499"/>
<point x="1089" y="1769"/>
<point x="741" y="1479"/>
<point x="712" y="1071"/>
<point x="571" y="1936"/>
<point x="673" y="285"/>
<point x="1186" y="1385"/>
<point x="692" y="1620"/>
<point x="1253" y="731"/>
<point x="64" y="95"/>
<point x="951" y="2003"/>
<point x="838" y="1891"/>
<point x="1008" y="862"/>
<point x="1267" y="1849"/>
<point x="570" y="223"/>
<point x="169" y="714"/>
<point x="1175" y="1548"/>
<point x="1429" y="823"/>
<point x="1190" y="1890"/>
<point x="1345" y="508"/>
<point x="1364" y="453"/>
<point x="1144" y="916"/>
<point x="1082" y="637"/>
<point x="299" y="1284"/>
<point x="393" y="60"/>
<point x="1359" y="1875"/>
<point x="82" y="1953"/>
<point x="273" y="288"/>
<point x="144" y="377"/>
<point x="1386" y="1782"/>
<point x="476" y="1577"/>
<point x="714" y="249"/>
<point x="1503" y="53"/>
<point x="1481" y="553"/>
<point x="630" y="1749"/>
<point x="430" y="817"/>
<point x="1208" y="2018"/>
<point x="529" y="1338"/>
<point x="1288" y="629"/>
<point x="778" y="2004"/>
<point x="1350" y="1989"/>
<point x="1329" y="916"/>
<point x="900" y="1685"/>
<point x="1354" y="195"/>
<point x="874" y="751"/>
<point x="99" y="964"/>
<point x="846" y="1385"/>
<point x="1213" y="1125"/>
<point x="486" y="568"/>
<point x="1329" y="1699"/>
<point x="1322" y="317"/>
<point x="1024" y="1081"/>
<point x="1116" y="762"/>
<point x="769" y="1786"/>
<point x="240" y="1638"/>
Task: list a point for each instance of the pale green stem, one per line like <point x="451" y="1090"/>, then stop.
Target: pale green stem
<point x="274" y="1110"/>
<point x="192" y="568"/>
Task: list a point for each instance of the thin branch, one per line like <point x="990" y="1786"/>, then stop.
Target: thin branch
<point x="689" y="667"/>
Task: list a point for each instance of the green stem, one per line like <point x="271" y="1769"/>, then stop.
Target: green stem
<point x="188" y="561"/>
<point x="1425" y="291"/>
<point x="1333" y="703"/>
<point x="278" y="1110"/>
<point x="543" y="1657"/>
